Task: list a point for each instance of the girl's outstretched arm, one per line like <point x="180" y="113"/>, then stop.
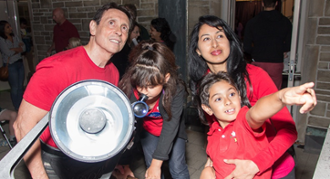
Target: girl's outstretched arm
<point x="269" y="105"/>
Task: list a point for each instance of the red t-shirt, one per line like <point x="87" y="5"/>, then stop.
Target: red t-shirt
<point x="153" y="121"/>
<point x="286" y="134"/>
<point x="236" y="141"/>
<point x="282" y="121"/>
<point x="62" y="34"/>
<point x="59" y="71"/>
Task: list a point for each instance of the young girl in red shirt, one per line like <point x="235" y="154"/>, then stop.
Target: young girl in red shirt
<point x="153" y="72"/>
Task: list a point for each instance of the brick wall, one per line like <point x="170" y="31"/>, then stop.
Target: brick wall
<point x="197" y="8"/>
<point x="316" y="65"/>
<point x="79" y="13"/>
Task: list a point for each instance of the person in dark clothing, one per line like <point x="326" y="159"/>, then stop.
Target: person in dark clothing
<point x="160" y="31"/>
<point x="267" y="38"/>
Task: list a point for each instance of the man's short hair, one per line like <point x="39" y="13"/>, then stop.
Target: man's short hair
<point x="99" y="13"/>
<point x="269" y="3"/>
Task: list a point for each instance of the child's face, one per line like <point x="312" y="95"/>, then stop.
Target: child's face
<point x="224" y="101"/>
<point x="153" y="92"/>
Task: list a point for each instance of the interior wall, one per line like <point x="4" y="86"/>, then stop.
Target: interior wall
<point x="174" y="11"/>
<point x="287" y="6"/>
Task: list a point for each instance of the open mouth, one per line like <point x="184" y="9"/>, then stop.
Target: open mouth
<point x="229" y="111"/>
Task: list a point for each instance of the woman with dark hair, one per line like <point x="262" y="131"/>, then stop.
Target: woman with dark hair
<point x="120" y="59"/>
<point x="215" y="47"/>
<point x="153" y="72"/>
<point x="160" y="31"/>
<point x="135" y="34"/>
<point x="11" y="48"/>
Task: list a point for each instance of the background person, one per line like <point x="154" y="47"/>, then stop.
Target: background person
<point x="27" y="39"/>
<point x="144" y="35"/>
<point x="214" y="47"/>
<point x="109" y="30"/>
<point x="74" y="42"/>
<point x="62" y="32"/>
<point x="120" y="59"/>
<point x="160" y="31"/>
<point x="134" y="36"/>
<point x="267" y="38"/>
<point x="11" y="48"/>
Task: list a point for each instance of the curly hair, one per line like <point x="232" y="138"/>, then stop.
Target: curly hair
<point x="150" y="62"/>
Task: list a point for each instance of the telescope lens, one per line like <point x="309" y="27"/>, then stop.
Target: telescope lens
<point x="140" y="109"/>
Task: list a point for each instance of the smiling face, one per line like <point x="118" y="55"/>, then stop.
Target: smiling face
<point x="112" y="31"/>
<point x="224" y="102"/>
<point x="135" y="33"/>
<point x="213" y="45"/>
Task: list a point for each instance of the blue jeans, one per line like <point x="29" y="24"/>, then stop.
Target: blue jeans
<point x="177" y="160"/>
<point x="16" y="80"/>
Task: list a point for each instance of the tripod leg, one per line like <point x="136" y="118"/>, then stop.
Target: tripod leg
<point x="5" y="136"/>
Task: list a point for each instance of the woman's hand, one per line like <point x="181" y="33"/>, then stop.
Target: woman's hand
<point x="154" y="171"/>
<point x="245" y="169"/>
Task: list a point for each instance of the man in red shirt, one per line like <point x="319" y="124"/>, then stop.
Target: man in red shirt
<point x="62" y="32"/>
<point x="109" y="31"/>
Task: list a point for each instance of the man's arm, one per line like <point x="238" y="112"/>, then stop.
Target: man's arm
<point x="28" y="116"/>
<point x="51" y="48"/>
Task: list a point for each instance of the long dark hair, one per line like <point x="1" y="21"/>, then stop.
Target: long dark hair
<point x="150" y="62"/>
<point x="236" y="65"/>
<point x="204" y="91"/>
<point x="162" y="26"/>
<point x="3" y="23"/>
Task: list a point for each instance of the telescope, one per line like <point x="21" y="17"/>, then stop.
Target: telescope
<point x="90" y="121"/>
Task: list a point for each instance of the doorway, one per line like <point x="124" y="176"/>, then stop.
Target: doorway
<point x="24" y="17"/>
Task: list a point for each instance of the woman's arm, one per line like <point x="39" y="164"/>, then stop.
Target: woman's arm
<point x="169" y="132"/>
<point x="285" y="134"/>
<point x="4" y="48"/>
<point x="21" y="44"/>
<point x="170" y="127"/>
